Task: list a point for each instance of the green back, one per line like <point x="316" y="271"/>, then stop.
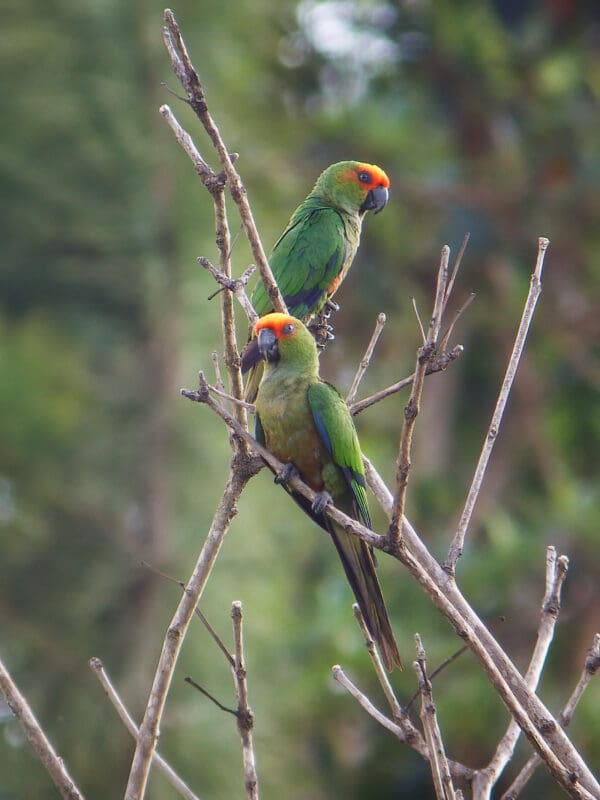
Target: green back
<point x="336" y="429"/>
<point x="308" y="256"/>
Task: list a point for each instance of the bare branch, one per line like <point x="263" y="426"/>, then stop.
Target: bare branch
<point x="412" y="736"/>
<point x="456" y="548"/>
<point x="455" y="268"/>
<point x="402" y="729"/>
<point x="210" y="696"/>
<point x="97" y="668"/>
<point x="413" y="303"/>
<point x="232" y="399"/>
<point x="457" y="316"/>
<point x="187" y="143"/>
<point x="424" y="354"/>
<point x="245" y="717"/>
<point x="236" y="286"/>
<point x="215" y="636"/>
<point x="438" y="762"/>
<point x="241" y="471"/>
<point x="190" y="81"/>
<point x="440" y="668"/>
<point x="52" y="762"/>
<point x="556" y="571"/>
<point x="533" y="717"/>
<point x="340" y="677"/>
<point x="438" y="364"/>
<point x="590" y="668"/>
<point x="366" y="359"/>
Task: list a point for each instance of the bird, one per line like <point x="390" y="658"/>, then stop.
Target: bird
<point x="306" y="424"/>
<point x="314" y="253"/>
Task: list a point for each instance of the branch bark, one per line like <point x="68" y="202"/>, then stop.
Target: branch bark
<point x="51" y="761"/>
<point x="244" y="715"/>
<point x="440" y="771"/>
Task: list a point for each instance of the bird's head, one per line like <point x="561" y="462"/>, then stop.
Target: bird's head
<point x="284" y="338"/>
<point x="354" y="186"/>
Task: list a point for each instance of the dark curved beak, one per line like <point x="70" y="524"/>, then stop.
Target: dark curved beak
<point x="375" y="200"/>
<point x="268" y="345"/>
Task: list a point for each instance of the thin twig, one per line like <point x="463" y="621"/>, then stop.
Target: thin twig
<point x="51" y="761"/>
<point x="455" y="268"/>
<point x="219" y="385"/>
<point x="439" y="363"/>
<point x="210" y="696"/>
<point x="424" y="354"/>
<point x="176" y="782"/>
<point x="440" y="771"/>
<point x="366" y="359"/>
<point x="203" y="619"/>
<point x="226" y="396"/>
<point x="413" y="303"/>
<point x="245" y="717"/>
<point x="446" y="336"/>
<point x="440" y="668"/>
<point x="590" y="668"/>
<point x="190" y="81"/>
<point x="556" y="571"/>
<point x="456" y="548"/>
<point x="340" y="677"/>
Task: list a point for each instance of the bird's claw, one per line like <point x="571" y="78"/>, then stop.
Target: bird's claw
<point x="321" y="501"/>
<point x="331" y="306"/>
<point x="286" y="474"/>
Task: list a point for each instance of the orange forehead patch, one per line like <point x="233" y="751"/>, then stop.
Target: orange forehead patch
<point x="276" y="322"/>
<point x="376" y="175"/>
<point x="379" y="178"/>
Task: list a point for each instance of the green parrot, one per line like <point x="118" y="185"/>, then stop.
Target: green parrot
<point x="306" y="424"/>
<point x="313" y="254"/>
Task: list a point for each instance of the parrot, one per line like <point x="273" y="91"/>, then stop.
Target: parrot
<point x="313" y="254"/>
<point x="306" y="424"/>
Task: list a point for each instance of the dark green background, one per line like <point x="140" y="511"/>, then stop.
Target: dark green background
<point x="485" y="117"/>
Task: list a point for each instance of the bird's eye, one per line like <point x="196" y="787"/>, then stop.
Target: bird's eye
<point x="288" y="329"/>
<point x="364" y="177"/>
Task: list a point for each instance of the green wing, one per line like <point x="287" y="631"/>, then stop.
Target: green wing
<point x="307" y="257"/>
<point x="336" y="429"/>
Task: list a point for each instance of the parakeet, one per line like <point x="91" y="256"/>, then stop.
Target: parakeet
<point x="305" y="423"/>
<point x="313" y="254"/>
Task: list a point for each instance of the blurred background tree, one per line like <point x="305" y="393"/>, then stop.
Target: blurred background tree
<point x="485" y="116"/>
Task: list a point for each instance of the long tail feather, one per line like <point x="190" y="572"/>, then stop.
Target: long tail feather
<point x="360" y="570"/>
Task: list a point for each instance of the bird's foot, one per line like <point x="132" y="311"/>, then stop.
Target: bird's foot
<point x="322" y="333"/>
<point x="287" y="473"/>
<point x="321" y="501"/>
<point x="330" y="308"/>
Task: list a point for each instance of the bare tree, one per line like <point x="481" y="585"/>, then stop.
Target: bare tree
<point x="544" y="731"/>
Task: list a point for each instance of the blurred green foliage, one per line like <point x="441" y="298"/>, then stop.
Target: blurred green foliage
<point x="485" y="116"/>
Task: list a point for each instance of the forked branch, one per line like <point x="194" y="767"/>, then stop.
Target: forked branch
<point x="457" y="546"/>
